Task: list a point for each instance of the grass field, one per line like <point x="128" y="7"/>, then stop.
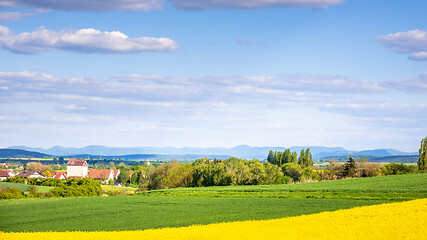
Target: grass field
<point x="184" y="207"/>
<point x="392" y="188"/>
<point x="124" y="190"/>
<point x="24" y="187"/>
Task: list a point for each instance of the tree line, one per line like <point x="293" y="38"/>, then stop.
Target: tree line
<point x="202" y="173"/>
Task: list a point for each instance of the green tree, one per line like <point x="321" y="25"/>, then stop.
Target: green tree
<point x="270" y="157"/>
<point x="123" y="177"/>
<point x="134" y="178"/>
<point x="308" y="158"/>
<point x="301" y="159"/>
<point x="349" y="168"/>
<point x="294" y="158"/>
<point x="422" y="159"/>
<point x="292" y="170"/>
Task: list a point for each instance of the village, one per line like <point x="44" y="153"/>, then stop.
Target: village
<point x="75" y="168"/>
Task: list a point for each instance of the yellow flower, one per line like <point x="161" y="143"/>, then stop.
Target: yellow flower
<point x="405" y="220"/>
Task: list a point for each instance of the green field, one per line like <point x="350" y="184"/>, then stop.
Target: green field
<point x="392" y="188"/>
<point x="123" y="190"/>
<point x="183" y="207"/>
<point x="24" y="187"/>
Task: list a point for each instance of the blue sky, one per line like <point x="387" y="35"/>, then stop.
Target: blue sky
<point x="206" y="73"/>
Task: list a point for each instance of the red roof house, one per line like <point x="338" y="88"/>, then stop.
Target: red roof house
<point x="104" y="174"/>
<point x="59" y="175"/>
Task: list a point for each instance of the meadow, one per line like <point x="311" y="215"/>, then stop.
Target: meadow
<point x="121" y="190"/>
<point x="24" y="187"/>
<point x="189" y="206"/>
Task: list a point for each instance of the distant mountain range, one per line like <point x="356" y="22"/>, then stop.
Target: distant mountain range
<point x="18" y="153"/>
<point x="242" y="151"/>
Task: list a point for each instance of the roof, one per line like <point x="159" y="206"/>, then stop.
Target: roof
<point x="115" y="172"/>
<point x="76" y="162"/>
<point x="4" y="173"/>
<point x="28" y="173"/>
<point x="99" y="173"/>
<point x="59" y="174"/>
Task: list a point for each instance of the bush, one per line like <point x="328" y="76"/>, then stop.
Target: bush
<point x="11" y="193"/>
<point x="292" y="170"/>
<point x="396" y="169"/>
<point x="78" y="188"/>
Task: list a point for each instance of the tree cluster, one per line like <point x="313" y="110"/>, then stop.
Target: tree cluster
<point x="75" y="187"/>
<point x="278" y="158"/>
<point x="202" y="173"/>
<point x="298" y="168"/>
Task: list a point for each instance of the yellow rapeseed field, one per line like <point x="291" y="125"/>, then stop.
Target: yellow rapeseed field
<point x="405" y="220"/>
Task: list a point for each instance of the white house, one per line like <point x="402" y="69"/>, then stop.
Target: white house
<point x="77" y="168"/>
<point x="30" y="174"/>
<point x="104" y="174"/>
<point x="6" y="174"/>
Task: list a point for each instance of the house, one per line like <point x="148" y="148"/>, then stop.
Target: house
<point x="6" y="174"/>
<point x="11" y="173"/>
<point x="104" y="174"/>
<point x="77" y="168"/>
<point x="116" y="173"/>
<point x="30" y="174"/>
<point x="59" y="175"/>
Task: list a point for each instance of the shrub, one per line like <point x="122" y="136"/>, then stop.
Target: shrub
<point x="11" y="193"/>
<point x="78" y="187"/>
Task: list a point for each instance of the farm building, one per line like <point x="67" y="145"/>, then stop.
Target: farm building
<point x="59" y="175"/>
<point x="30" y="174"/>
<point x="77" y="168"/>
<point x="104" y="174"/>
<point x="6" y="174"/>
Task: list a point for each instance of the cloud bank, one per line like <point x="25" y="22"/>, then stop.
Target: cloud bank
<point x="415" y="85"/>
<point x="127" y="94"/>
<point x="84" y="41"/>
<point x="15" y="16"/>
<point x="85" y="5"/>
<point x="145" y="5"/>
<point x="252" y="4"/>
<point x="246" y="106"/>
<point x="413" y="42"/>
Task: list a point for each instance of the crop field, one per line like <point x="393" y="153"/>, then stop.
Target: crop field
<point x="124" y="190"/>
<point x="391" y="188"/>
<point x="405" y="220"/>
<point x="185" y="207"/>
<point x="24" y="187"/>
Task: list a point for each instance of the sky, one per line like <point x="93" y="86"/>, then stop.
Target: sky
<point x="213" y="73"/>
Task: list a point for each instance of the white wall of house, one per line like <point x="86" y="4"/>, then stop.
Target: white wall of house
<point x="77" y="171"/>
<point x="36" y="175"/>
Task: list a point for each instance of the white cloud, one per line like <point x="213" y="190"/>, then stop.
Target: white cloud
<point x="156" y="96"/>
<point x="84" y="40"/>
<point x="252" y="4"/>
<point x="379" y="110"/>
<point x="15" y="16"/>
<point x="85" y="5"/>
<point x="250" y="107"/>
<point x="413" y="42"/>
<point x="231" y="89"/>
<point x="145" y="5"/>
<point x="415" y="85"/>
